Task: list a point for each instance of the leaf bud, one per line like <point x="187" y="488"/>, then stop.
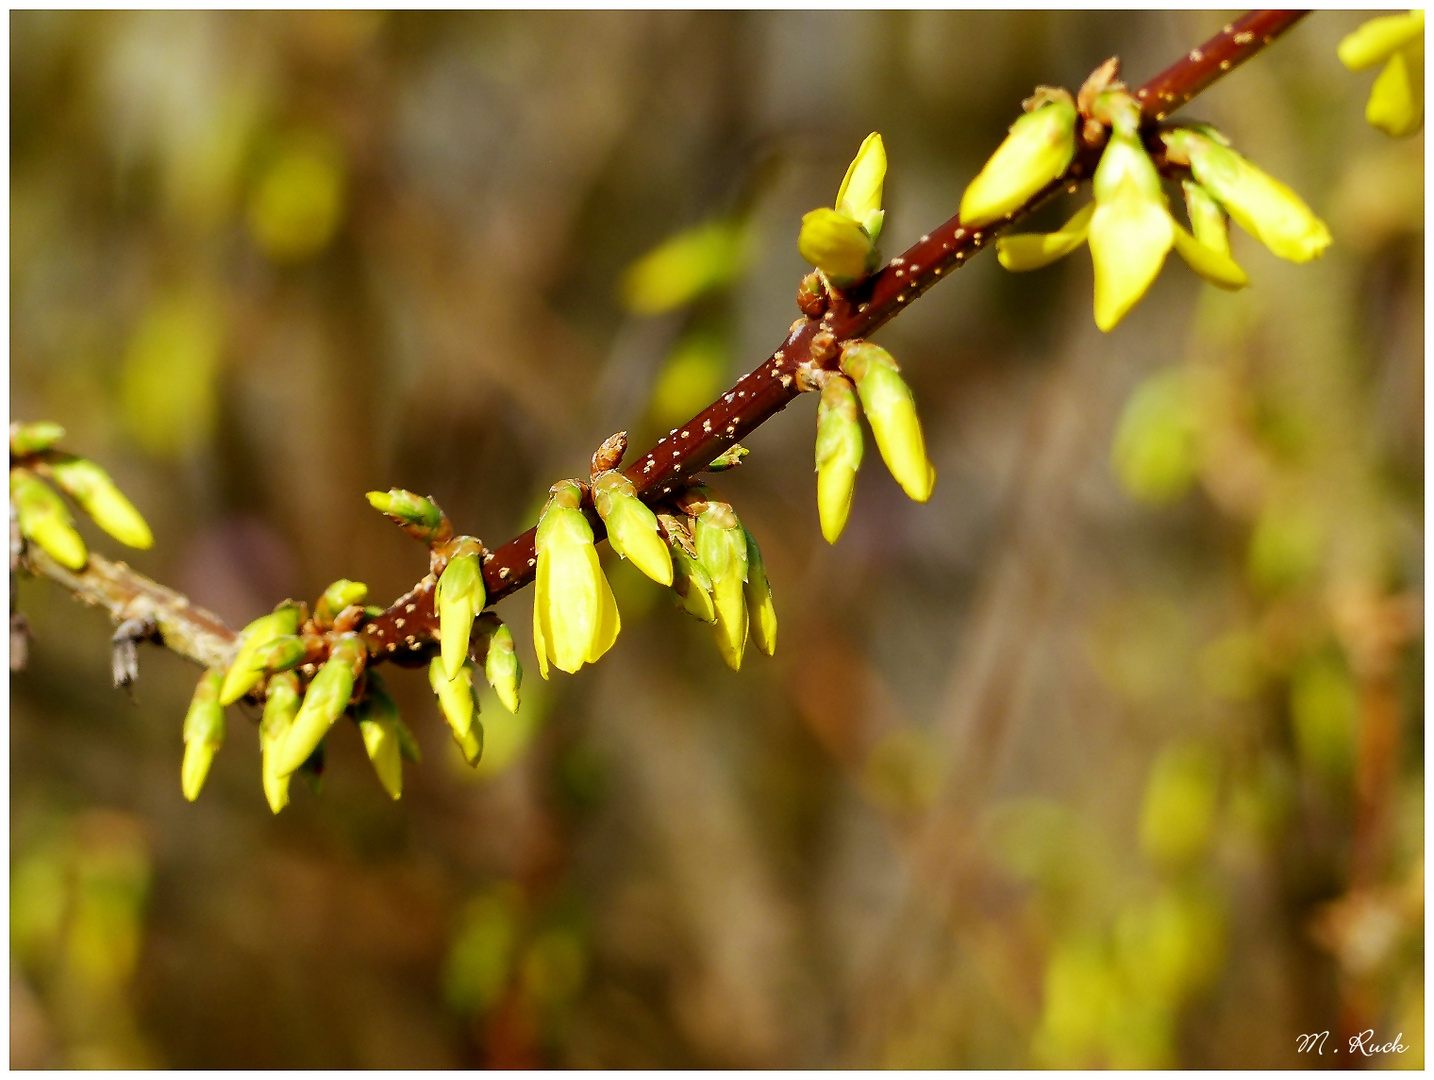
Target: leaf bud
<point x="45" y="520"/>
<point x="891" y="412"/>
<point x="324" y="702"/>
<point x="728" y="459"/>
<point x="1037" y="152"/>
<point x="203" y="733"/>
<point x="838" y="453"/>
<point x="249" y="666"/>
<point x="632" y="526"/>
<point x="91" y="487"/>
<point x="420" y="517"/>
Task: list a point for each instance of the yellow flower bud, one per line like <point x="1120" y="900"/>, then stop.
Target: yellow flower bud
<point x="722" y="549"/>
<point x="502" y="669"/>
<point x="455" y="696"/>
<point x="1207" y="220"/>
<point x="1131" y="230"/>
<point x="859" y="197"/>
<point x="692" y="586"/>
<point x="45" y="520"/>
<point x="1032" y="251"/>
<point x="1378" y="39"/>
<point x="575" y="617"/>
<point x="761" y="612"/>
<point x="281" y="705"/>
<point x="838" y="452"/>
<point x="416" y="515"/>
<point x="838" y="246"/>
<point x="248" y="667"/>
<point x="891" y="412"/>
<point x="91" y="487"/>
<point x="378" y="725"/>
<point x="632" y="526"/>
<point x="1037" y="151"/>
<point x="203" y="733"/>
<point x="339" y="595"/>
<point x="1214" y="266"/>
<point x="459" y="598"/>
<point x="1260" y="205"/>
<point x="324" y="702"/>
<point x="1396" y="101"/>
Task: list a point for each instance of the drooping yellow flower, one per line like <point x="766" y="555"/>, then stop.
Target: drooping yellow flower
<point x="1131" y="230"/>
<point x="459" y="597"/>
<point x="838" y="452"/>
<point x="575" y="618"/>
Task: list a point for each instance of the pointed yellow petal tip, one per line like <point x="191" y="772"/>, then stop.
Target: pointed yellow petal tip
<point x="1037" y="152"/>
<point x="1379" y="38"/>
<point x="860" y="194"/>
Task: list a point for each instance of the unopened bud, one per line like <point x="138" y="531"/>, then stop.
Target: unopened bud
<point x="455" y="695"/>
<point x="692" y="586"/>
<point x="728" y="459"/>
<point x="470" y="744"/>
<point x="838" y="246"/>
<point x="45" y="520"/>
<point x="283" y="653"/>
<point x="459" y="597"/>
<point x="91" y="487"/>
<point x="838" y="453"/>
<point x="249" y="666"/>
<point x="377" y="718"/>
<point x="501" y="667"/>
<point x="722" y="548"/>
<point x="1036" y="152"/>
<point x="336" y="597"/>
<point x="761" y="612"/>
<point x="26" y="439"/>
<point x="1214" y="266"/>
<point x="891" y="412"/>
<point x="1032" y="251"/>
<point x="203" y="733"/>
<point x="859" y="197"/>
<point x="632" y="526"/>
<point x="418" y="516"/>
<point x="324" y="702"/>
<point x="575" y="617"/>
<point x="281" y="705"/>
<point x="1131" y="230"/>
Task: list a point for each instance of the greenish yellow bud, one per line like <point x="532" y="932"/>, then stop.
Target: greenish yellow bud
<point x="338" y="596"/>
<point x="1036" y="152"/>
<point x="470" y="744"/>
<point x="249" y="666"/>
<point x="839" y="450"/>
<point x="722" y="549"/>
<point x="1379" y="39"/>
<point x="1131" y="230"/>
<point x="281" y="705"/>
<point x="729" y="458"/>
<point x="502" y="669"/>
<point x="1208" y="222"/>
<point x="632" y="526"/>
<point x="1214" y="266"/>
<point x="324" y="702"/>
<point x="455" y="695"/>
<point x="1032" y="251"/>
<point x="891" y="412"/>
<point x="91" y="487"/>
<point x="45" y="520"/>
<point x="692" y="586"/>
<point x="1396" y="101"/>
<point x="377" y="718"/>
<point x="283" y="653"/>
<point x="459" y="597"/>
<point x="1260" y="205"/>
<point x="203" y="733"/>
<point x="761" y="612"/>
<point x="575" y="618"/>
<point x="421" y="516"/>
<point x="26" y="439"/>
<point x="859" y="197"/>
<point x="838" y="246"/>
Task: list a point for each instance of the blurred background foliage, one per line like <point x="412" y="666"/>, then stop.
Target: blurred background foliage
<point x="1111" y="754"/>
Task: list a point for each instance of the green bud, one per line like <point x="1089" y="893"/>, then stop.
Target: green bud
<point x="45" y="520"/>
<point x="336" y="597"/>
<point x="249" y="667"/>
<point x="470" y="744"/>
<point x="1379" y="39"/>
<point x="203" y="733"/>
<point x="1032" y="251"/>
<point x="729" y="458"/>
<point x="91" y="487"/>
<point x="377" y="718"/>
<point x="1396" y="101"/>
<point x="414" y="512"/>
<point x="459" y="597"/>
<point x="26" y="439"/>
<point x="722" y="549"/>
<point x="501" y="667"/>
<point x="283" y="653"/>
<point x="1036" y="152"/>
<point x="859" y="197"/>
<point x="838" y="246"/>
<point x="762" y="613"/>
<point x="281" y="705"/>
<point x="1260" y="205"/>
<point x="324" y="702"/>
<point x="692" y="586"/>
<point x="455" y="696"/>
<point x="575" y="618"/>
<point x="839" y="450"/>
<point x="1131" y="230"/>
<point x="891" y="412"/>
<point x="632" y="526"/>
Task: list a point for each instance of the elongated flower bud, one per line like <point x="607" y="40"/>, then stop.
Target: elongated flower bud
<point x="282" y="654"/>
<point x="377" y="718"/>
<point x="45" y="520"/>
<point x="575" y="618"/>
<point x="891" y="412"/>
<point x="324" y="702"/>
<point x="455" y="696"/>
<point x="28" y="439"/>
<point x="281" y="705"/>
<point x="692" y="586"/>
<point x="501" y="667"/>
<point x="248" y="667"/>
<point x="722" y="549"/>
<point x="1378" y="39"/>
<point x="203" y="733"/>
<point x="459" y="597"/>
<point x="1207" y="221"/>
<point x="1032" y="251"/>
<point x="1396" y="101"/>
<point x="859" y="197"/>
<point x="470" y="744"/>
<point x="838" y="246"/>
<point x="1214" y="266"/>
<point x="416" y="515"/>
<point x="839" y="450"/>
<point x="1260" y="205"/>
<point x="91" y="487"/>
<point x="761" y="612"/>
<point x="1036" y="152"/>
<point x="339" y="595"/>
<point x="1131" y="230"/>
<point x="632" y="526"/>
